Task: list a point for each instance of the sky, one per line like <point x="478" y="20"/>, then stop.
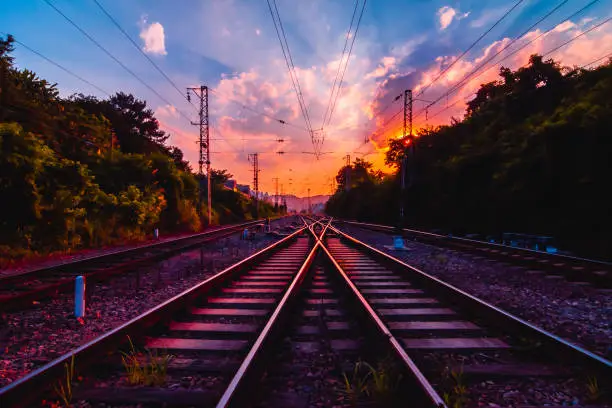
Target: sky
<point x="232" y="47"/>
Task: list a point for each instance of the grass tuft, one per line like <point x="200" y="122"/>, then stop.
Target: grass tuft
<point x="147" y="368"/>
<point x="369" y="384"/>
<point x="355" y="388"/>
<point x="63" y="388"/>
<point x="457" y="396"/>
<point x="594" y="393"/>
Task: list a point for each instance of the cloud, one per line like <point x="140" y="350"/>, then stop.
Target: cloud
<point x="446" y="15"/>
<point x="167" y="111"/>
<point x="153" y="37"/>
<point x="257" y="77"/>
<point x="487" y="16"/>
<point x="582" y="51"/>
<point x="567" y="25"/>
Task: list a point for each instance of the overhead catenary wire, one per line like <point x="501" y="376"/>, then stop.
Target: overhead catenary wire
<point x="480" y="66"/>
<point x="68" y="71"/>
<point x="545" y="54"/>
<point x="109" y="54"/>
<point x="522" y="47"/>
<point x="242" y="105"/>
<point x="346" y="40"/>
<point x="445" y="70"/>
<point x="156" y="66"/>
<point x="609" y="55"/>
<point x="347" y="62"/>
<point x="121" y="63"/>
<point x="114" y="21"/>
<point x="290" y="65"/>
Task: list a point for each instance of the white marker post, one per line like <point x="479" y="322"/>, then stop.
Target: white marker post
<point x="79" y="297"/>
<point x="156" y="233"/>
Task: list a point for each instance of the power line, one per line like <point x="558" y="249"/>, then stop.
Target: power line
<point x="609" y="55"/>
<point x="101" y="47"/>
<point x="524" y="46"/>
<point x="142" y="52"/>
<point x="340" y="63"/>
<point x="470" y="47"/>
<point x="68" y="71"/>
<point x="543" y="55"/>
<point x="578" y="36"/>
<point x="242" y="105"/>
<point x="290" y="66"/>
<point x="465" y="78"/>
<point x="347" y="62"/>
<point x="169" y="79"/>
<point x="383" y="110"/>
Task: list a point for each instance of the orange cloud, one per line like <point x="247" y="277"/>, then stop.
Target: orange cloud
<point x="268" y="95"/>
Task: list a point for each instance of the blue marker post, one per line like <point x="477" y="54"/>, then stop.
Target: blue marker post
<point x="79" y="297"/>
<point x="398" y="242"/>
<point x="156" y="233"/>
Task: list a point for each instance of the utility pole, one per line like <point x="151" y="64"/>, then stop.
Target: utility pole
<point x="347" y="173"/>
<point x="254" y="158"/>
<point x="407" y="133"/>
<point x="309" y="206"/>
<point x="275" y="180"/>
<point x="283" y="200"/>
<point x="204" y="142"/>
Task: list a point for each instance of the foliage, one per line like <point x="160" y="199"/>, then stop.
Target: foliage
<point x="456" y="396"/>
<point x="531" y="156"/>
<point x="594" y="392"/>
<point x="141" y="369"/>
<point x="355" y="389"/>
<point x="83" y="172"/>
<point x="63" y="388"/>
<point x="368" y="383"/>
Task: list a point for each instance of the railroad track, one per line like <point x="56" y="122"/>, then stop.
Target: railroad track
<point x="220" y="334"/>
<point x="574" y="269"/>
<point x="443" y="328"/>
<point x="20" y="290"/>
<point x="225" y="335"/>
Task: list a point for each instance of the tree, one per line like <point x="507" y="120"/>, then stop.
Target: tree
<point x="530" y="155"/>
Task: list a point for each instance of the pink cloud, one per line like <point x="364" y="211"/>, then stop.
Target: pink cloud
<point x="579" y="52"/>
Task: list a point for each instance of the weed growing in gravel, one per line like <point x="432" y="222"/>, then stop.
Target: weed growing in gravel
<point x="63" y="388"/>
<point x="383" y="383"/>
<point x="457" y="396"/>
<point x="593" y="391"/>
<point x="355" y="388"/>
<point x="152" y="371"/>
<point x="368" y="383"/>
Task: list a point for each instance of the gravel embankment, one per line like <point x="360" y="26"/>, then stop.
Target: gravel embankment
<point x="58" y="258"/>
<point x="32" y="338"/>
<point x="580" y="314"/>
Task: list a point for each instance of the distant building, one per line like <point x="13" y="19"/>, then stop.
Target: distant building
<point x="231" y="184"/>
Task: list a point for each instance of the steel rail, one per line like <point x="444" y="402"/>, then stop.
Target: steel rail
<point x="24" y="298"/>
<point x="120" y="252"/>
<point x="484" y="243"/>
<point x="499" y="317"/>
<point x="432" y="396"/>
<point x="20" y="392"/>
<point x="235" y="391"/>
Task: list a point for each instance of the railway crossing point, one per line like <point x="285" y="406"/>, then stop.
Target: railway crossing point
<point x="79" y="297"/>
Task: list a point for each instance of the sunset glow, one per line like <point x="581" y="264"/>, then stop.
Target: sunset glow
<point x="233" y="48"/>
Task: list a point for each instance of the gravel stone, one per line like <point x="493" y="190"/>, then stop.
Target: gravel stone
<point x="31" y="338"/>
